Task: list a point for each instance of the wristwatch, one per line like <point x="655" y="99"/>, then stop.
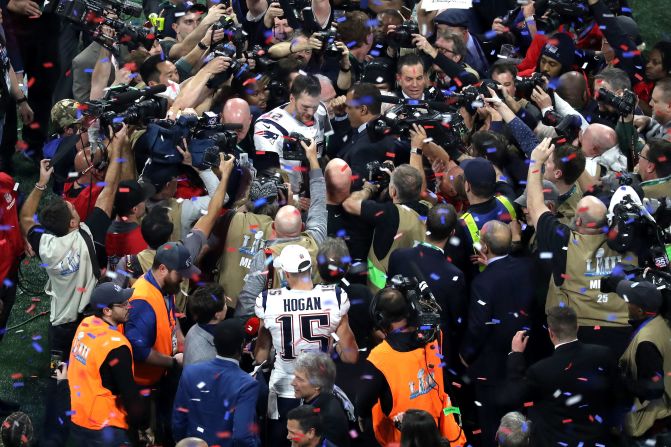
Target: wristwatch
<point x="20" y="100"/>
<point x="202" y="46"/>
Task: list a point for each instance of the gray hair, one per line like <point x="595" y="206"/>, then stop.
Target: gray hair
<point x="319" y="369"/>
<point x="459" y="46"/>
<point x="616" y="77"/>
<point x="513" y="431"/>
<point x="408" y="183"/>
<point x="324" y="79"/>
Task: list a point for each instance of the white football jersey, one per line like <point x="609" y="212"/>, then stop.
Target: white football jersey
<point x="299" y="320"/>
<point x="272" y="128"/>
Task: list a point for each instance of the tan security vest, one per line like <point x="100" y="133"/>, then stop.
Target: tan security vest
<point x="247" y="234"/>
<point x="305" y="241"/>
<point x="410" y="230"/>
<point x="657" y="188"/>
<point x="644" y="414"/>
<point x="567" y="209"/>
<point x="588" y="259"/>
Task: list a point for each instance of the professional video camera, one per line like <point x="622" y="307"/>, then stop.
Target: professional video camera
<point x="524" y="86"/>
<point x="93" y="15"/>
<point x="401" y="37"/>
<point x="640" y="228"/>
<point x="562" y="12"/>
<point x="292" y="149"/>
<point x="444" y="127"/>
<point x="129" y="106"/>
<point x="624" y="105"/>
<point x="424" y="309"/>
<point x="328" y="39"/>
<point x="206" y="137"/>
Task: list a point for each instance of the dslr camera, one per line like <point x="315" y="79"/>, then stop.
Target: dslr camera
<point x="292" y="149"/>
<point x="624" y="105"/>
<point x="401" y="37"/>
<point x="379" y="173"/>
<point x="328" y="40"/>
<point x="524" y="86"/>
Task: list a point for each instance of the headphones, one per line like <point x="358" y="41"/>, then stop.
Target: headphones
<point x="380" y="319"/>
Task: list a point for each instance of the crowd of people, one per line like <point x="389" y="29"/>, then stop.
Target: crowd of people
<point x="341" y="223"/>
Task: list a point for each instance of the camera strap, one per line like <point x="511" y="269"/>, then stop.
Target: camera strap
<point x="92" y="253"/>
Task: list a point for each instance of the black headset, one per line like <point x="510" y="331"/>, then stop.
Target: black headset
<point x="380" y="320"/>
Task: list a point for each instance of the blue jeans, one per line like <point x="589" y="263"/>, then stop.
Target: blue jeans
<point x="107" y="437"/>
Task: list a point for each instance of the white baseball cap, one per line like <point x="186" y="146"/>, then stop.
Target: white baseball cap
<point x="295" y="259"/>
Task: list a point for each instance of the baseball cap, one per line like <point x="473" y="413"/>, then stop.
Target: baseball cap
<point x="65" y="113"/>
<point x="454" y="17"/>
<point x="159" y="174"/>
<point x="550" y="194"/>
<point x="130" y="193"/>
<point x="629" y="28"/>
<point x="379" y="71"/>
<point x="479" y="172"/>
<point x="263" y="188"/>
<point x="643" y="294"/>
<point x="107" y="294"/>
<point x="175" y="256"/>
<point x="295" y="259"/>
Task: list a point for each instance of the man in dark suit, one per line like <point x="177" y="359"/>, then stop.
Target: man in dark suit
<point x="354" y="140"/>
<point x="569" y="395"/>
<point x="501" y="301"/>
<point x="445" y="281"/>
<point x="216" y="396"/>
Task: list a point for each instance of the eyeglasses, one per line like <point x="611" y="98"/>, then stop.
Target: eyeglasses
<point x="445" y="51"/>
<point x="644" y="157"/>
<point x="125" y="304"/>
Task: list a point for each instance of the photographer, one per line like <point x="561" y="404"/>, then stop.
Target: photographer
<point x="615" y="81"/>
<point x="183" y="47"/>
<point x="577" y="270"/>
<point x="505" y="73"/>
<point x="448" y="55"/>
<point x="642" y="362"/>
<point x="659" y="126"/>
<point x="397" y="223"/>
<point x="654" y="167"/>
<point x="288" y="228"/>
<point x="403" y="360"/>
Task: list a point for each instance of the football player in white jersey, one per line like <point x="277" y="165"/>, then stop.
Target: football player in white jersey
<point x="303" y="114"/>
<point x="298" y="318"/>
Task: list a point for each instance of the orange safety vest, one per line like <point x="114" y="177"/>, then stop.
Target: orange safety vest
<point x="94" y="406"/>
<point x="165" y="328"/>
<point x="416" y="382"/>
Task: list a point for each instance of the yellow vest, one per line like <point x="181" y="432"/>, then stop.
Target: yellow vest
<point x="566" y="210"/>
<point x="247" y="233"/>
<point x="657" y="188"/>
<point x="410" y="230"/>
<point x="644" y="414"/>
<point x="588" y="260"/>
<point x="274" y="251"/>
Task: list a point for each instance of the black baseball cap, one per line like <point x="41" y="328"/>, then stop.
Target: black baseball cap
<point x="479" y="172"/>
<point x="130" y="193"/>
<point x="107" y="294"/>
<point x="643" y="294"/>
<point x="175" y="256"/>
<point x="454" y="17"/>
<point x="160" y="174"/>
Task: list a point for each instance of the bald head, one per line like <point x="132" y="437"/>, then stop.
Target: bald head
<point x="288" y="222"/>
<point x="572" y="87"/>
<point x="236" y="111"/>
<point x="590" y="215"/>
<point x="597" y="139"/>
<point x="338" y="177"/>
<point x="191" y="442"/>
<point x="497" y="237"/>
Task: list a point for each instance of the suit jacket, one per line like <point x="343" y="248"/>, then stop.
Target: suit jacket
<point x="569" y="395"/>
<point x="447" y="284"/>
<point x="360" y="148"/>
<point x="216" y="397"/>
<point x="501" y="302"/>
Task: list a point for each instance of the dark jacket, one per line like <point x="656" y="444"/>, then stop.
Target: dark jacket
<point x="219" y="397"/>
<point x="569" y="395"/>
<point x="501" y="300"/>
<point x="336" y="427"/>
